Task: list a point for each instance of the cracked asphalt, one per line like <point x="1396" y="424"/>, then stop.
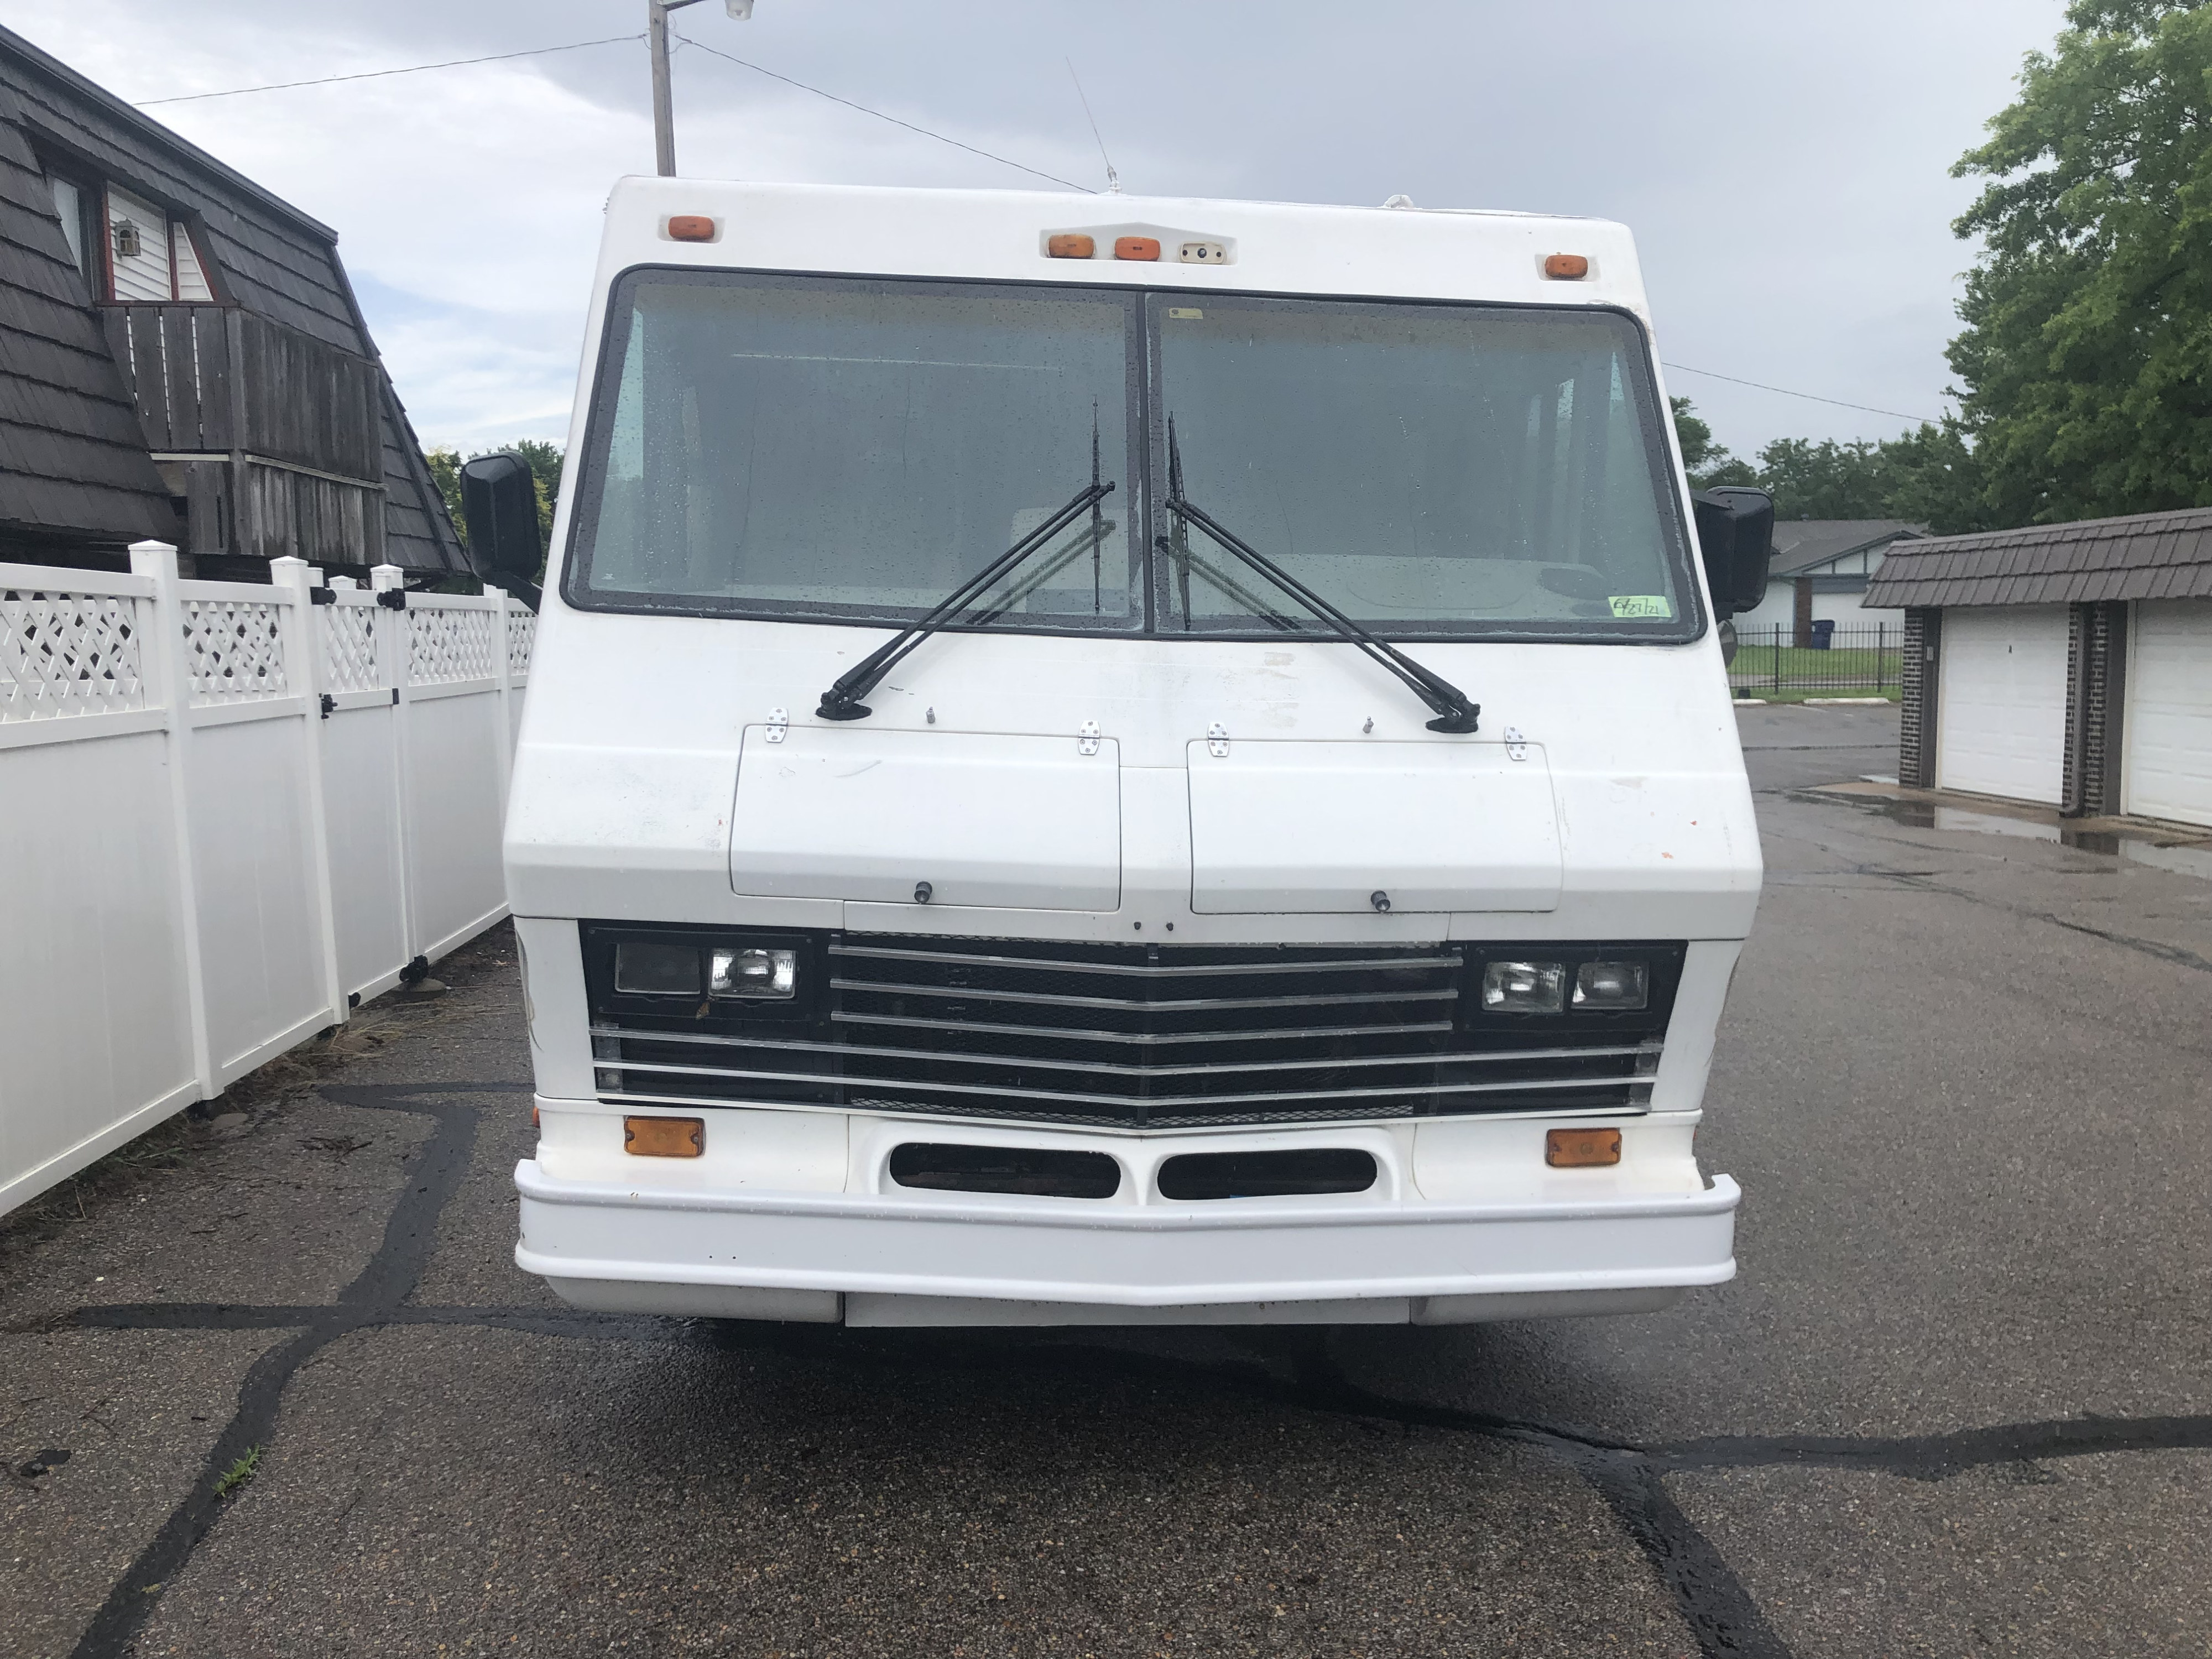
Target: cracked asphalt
<point x="1956" y="1402"/>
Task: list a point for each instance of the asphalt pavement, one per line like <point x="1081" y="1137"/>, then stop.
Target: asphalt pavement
<point x="274" y="1386"/>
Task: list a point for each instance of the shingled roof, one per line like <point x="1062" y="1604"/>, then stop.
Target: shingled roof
<point x="2148" y="555"/>
<point x="268" y="257"/>
<point x="73" y="463"/>
<point x="1802" y="543"/>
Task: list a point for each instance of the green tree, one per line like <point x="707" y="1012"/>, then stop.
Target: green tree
<point x="2086" y="355"/>
<point x="1823" y="480"/>
<point x="1706" y="462"/>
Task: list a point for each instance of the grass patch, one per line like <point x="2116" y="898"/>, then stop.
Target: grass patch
<point x="239" y="1472"/>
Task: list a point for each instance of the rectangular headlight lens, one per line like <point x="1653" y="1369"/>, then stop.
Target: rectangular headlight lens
<point x="753" y="975"/>
<point x="649" y="968"/>
<point x="1613" y="987"/>
<point x="1524" y="987"/>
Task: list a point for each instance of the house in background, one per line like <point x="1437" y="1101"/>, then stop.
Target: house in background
<point x="181" y="357"/>
<point x="2064" y="664"/>
<point x="1819" y="574"/>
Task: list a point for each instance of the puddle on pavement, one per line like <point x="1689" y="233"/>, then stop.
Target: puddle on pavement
<point x="2182" y="858"/>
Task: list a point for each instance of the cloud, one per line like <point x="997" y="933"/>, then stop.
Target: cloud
<point x="1784" y="168"/>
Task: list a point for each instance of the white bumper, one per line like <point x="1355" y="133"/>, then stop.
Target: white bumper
<point x="963" y="1258"/>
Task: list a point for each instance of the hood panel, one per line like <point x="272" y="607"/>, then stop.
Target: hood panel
<point x="864" y="813"/>
<point x="1313" y="827"/>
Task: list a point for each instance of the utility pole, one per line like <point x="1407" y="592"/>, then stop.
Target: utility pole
<point x="664" y="114"/>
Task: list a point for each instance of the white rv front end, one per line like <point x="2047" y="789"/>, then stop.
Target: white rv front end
<point x="1163" y="933"/>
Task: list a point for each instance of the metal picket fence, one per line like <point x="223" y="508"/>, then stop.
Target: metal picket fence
<point x="1869" y="661"/>
<point x="228" y="813"/>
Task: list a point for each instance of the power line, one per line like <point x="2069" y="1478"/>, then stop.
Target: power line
<point x="713" y="52"/>
<point x="1810" y="396"/>
<point x="373" y="75"/>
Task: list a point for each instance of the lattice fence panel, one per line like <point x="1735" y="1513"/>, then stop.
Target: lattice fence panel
<point x="68" y="654"/>
<point x="234" y="650"/>
<point x="444" y="646"/>
<point x="521" y="636"/>
<point x="349" y="635"/>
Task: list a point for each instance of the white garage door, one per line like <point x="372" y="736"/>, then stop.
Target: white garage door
<point x="2167" y="728"/>
<point x="2001" y="709"/>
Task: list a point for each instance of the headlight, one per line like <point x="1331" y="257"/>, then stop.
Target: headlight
<point x="1613" y="987"/>
<point x="651" y="968"/>
<point x="752" y="975"/>
<point x="1524" y="987"/>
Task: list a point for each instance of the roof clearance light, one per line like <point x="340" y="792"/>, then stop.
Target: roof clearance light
<point x="1566" y="267"/>
<point x="1582" y="1149"/>
<point x="690" y="227"/>
<point x="1136" y="247"/>
<point x="1069" y="247"/>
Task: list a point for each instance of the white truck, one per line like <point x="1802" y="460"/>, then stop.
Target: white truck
<point x="1104" y="760"/>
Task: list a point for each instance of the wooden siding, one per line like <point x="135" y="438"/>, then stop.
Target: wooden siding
<point x="209" y="377"/>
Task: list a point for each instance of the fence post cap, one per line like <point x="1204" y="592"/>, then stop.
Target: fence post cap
<point x="154" y="559"/>
<point x="385" y="576"/>
<point x="286" y="571"/>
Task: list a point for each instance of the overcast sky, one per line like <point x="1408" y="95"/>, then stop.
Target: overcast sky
<point x="1785" y="167"/>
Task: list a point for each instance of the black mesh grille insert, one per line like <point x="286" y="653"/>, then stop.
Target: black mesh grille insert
<point x="1131" y="1037"/>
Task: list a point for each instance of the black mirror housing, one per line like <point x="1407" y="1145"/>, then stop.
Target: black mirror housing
<point x="499" y="498"/>
<point x="1735" y="537"/>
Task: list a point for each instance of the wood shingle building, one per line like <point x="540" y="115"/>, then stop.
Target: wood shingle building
<point x="182" y="357"/>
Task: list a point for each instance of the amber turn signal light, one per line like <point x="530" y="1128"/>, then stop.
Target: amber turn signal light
<point x="1575" y="1149"/>
<point x="1136" y="247"/>
<point x="690" y="227"/>
<point x="1566" y="267"/>
<point x="1069" y="247"/>
<point x="664" y="1137"/>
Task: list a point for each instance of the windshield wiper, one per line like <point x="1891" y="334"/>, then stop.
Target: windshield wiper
<point x="1454" y="712"/>
<point x="842" y="702"/>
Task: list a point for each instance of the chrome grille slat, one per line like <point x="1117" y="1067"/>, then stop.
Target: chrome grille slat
<point x="1181" y="1005"/>
<point x="844" y="1017"/>
<point x="1137" y="1037"/>
<point x="1150" y="970"/>
<point x="849" y="1080"/>
<point x="798" y="1045"/>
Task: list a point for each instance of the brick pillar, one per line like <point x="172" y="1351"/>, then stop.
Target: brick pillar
<point x="2072" y="787"/>
<point x="1801" y="612"/>
<point x="2101" y="707"/>
<point x="1916" y="739"/>
<point x="2096" y="668"/>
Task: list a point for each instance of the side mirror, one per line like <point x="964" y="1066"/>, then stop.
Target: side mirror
<point x="499" y="498"/>
<point x="1736" y="534"/>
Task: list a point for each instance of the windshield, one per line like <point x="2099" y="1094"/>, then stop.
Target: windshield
<point x="855" y="450"/>
<point x="836" y="449"/>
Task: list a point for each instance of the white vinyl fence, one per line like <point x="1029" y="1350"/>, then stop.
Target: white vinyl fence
<point x="228" y="812"/>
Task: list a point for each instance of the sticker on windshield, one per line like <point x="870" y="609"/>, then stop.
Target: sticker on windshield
<point x="1642" y="605"/>
<point x="1189" y="312"/>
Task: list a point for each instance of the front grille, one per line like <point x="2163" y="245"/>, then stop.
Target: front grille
<point x="1128" y="1036"/>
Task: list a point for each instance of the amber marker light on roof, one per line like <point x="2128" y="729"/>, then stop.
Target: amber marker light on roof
<point x="1069" y="247"/>
<point x="664" y="1137"/>
<point x="1566" y="267"/>
<point x="1136" y="247"/>
<point x="1579" y="1149"/>
<point x="690" y="227"/>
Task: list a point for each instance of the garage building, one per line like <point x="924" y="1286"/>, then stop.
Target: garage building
<point x="2067" y="663"/>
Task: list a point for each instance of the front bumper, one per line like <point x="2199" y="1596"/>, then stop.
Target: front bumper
<point x="968" y="1259"/>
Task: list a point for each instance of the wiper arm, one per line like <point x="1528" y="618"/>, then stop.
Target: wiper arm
<point x="1454" y="712"/>
<point x="842" y="702"/>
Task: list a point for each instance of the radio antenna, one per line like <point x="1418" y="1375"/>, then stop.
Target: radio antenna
<point x="1113" y="178"/>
